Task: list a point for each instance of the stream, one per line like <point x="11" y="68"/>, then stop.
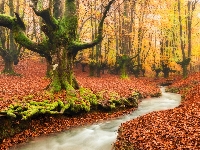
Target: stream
<point x="100" y="136"/>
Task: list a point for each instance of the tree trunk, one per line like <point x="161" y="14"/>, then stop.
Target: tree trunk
<point x="166" y="73"/>
<point x="92" y="67"/>
<point x="8" y="66"/>
<point x="63" y="76"/>
<point x="49" y="67"/>
<point x="185" y="72"/>
<point x="10" y="52"/>
<point x="123" y="71"/>
<point x="98" y="69"/>
<point x="83" y="65"/>
<point x="61" y="41"/>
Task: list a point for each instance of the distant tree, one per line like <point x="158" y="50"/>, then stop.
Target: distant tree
<point x="186" y="35"/>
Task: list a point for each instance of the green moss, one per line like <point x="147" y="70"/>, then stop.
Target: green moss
<point x="69" y="87"/>
<point x="135" y="95"/>
<point x="112" y="106"/>
<point x="100" y="95"/>
<point x="172" y="90"/>
<point x="82" y="100"/>
<point x="77" y="101"/>
<point x="54" y="20"/>
<point x="61" y="32"/>
<point x="114" y="96"/>
<point x="9" y="72"/>
<point x="109" y="100"/>
<point x="10" y="21"/>
<point x="123" y="71"/>
<point x="33" y="108"/>
<point x="70" y="4"/>
<point x="21" y="38"/>
<point x="71" y="92"/>
<point x="55" y="85"/>
<point x="156" y="94"/>
<point x="10" y="113"/>
<point x="124" y="76"/>
<point x="72" y="23"/>
<point x="88" y="95"/>
<point x="117" y="101"/>
<point x="79" y="105"/>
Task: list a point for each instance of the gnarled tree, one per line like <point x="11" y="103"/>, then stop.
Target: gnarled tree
<point x="61" y="43"/>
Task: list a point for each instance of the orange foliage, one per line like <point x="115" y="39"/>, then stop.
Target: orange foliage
<point x="176" y="128"/>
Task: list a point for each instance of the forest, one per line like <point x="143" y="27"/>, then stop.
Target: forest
<point x="67" y="64"/>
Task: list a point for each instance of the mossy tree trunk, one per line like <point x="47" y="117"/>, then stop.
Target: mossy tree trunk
<point x="8" y="66"/>
<point x="10" y="57"/>
<point x="9" y="60"/>
<point x="123" y="70"/>
<point x="61" y="43"/>
<point x="62" y="74"/>
<point x="49" y="66"/>
<point x="8" y="49"/>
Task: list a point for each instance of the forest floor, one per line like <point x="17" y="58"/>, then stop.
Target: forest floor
<point x="177" y="128"/>
<point x="33" y="81"/>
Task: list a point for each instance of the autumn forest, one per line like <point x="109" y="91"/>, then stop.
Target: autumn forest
<point x="67" y="64"/>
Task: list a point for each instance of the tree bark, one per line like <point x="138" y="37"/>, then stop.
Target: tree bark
<point x="61" y="41"/>
<point x="9" y="51"/>
<point x="8" y="66"/>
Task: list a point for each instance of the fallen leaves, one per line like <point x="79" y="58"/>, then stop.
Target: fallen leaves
<point x="182" y="86"/>
<point x="171" y="129"/>
<point x="113" y="83"/>
<point x="177" y="128"/>
<point x="31" y="81"/>
<point x="31" y="84"/>
<point x="47" y="124"/>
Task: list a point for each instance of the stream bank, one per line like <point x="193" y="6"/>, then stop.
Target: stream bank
<point x="100" y="135"/>
<point x="46" y="125"/>
<point x="176" y="128"/>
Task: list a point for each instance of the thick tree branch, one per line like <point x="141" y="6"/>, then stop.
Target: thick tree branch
<point x="77" y="46"/>
<point x="7" y="21"/>
<point x="20" y="22"/>
<point x="47" y="17"/>
<point x="35" y="2"/>
<point x="21" y="38"/>
<point x="42" y="48"/>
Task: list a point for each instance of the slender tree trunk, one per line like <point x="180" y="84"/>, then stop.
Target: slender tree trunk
<point x="185" y="72"/>
<point x="184" y="68"/>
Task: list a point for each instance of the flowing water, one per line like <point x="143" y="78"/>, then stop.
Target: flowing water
<point x="99" y="136"/>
